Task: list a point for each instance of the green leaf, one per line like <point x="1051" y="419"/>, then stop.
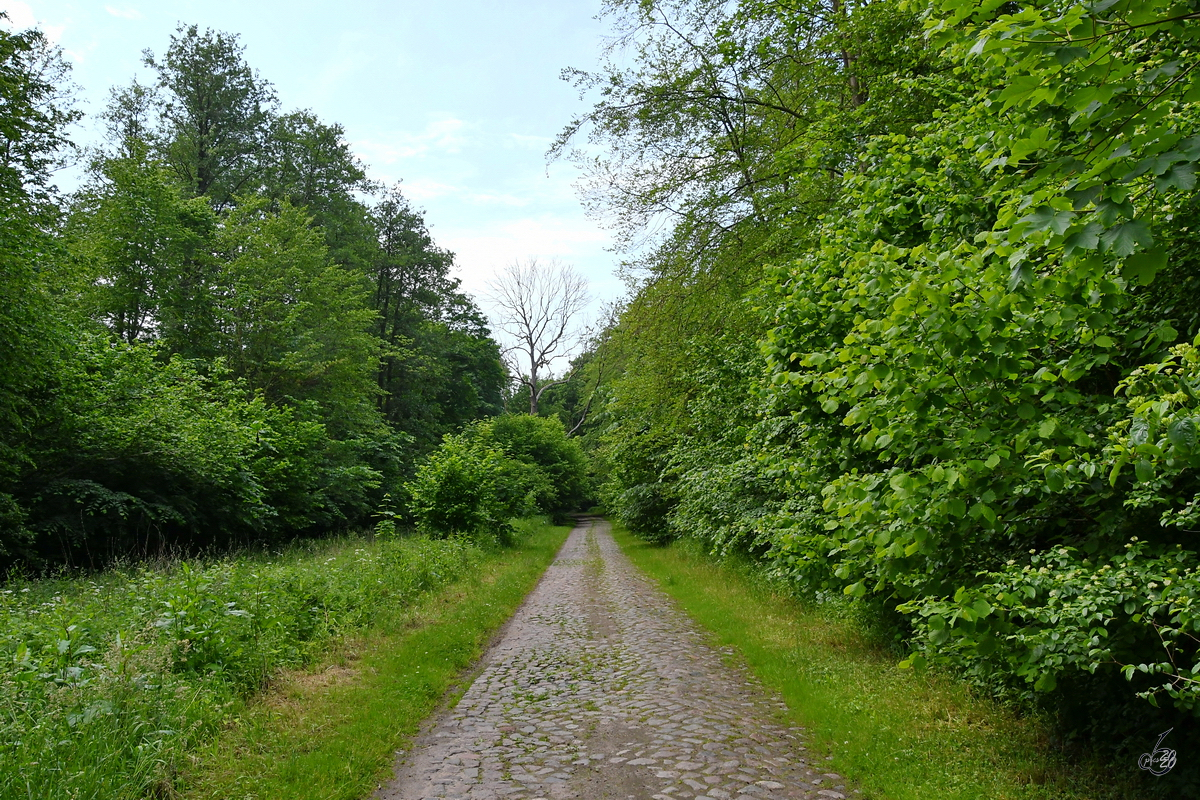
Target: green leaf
<point x="1019" y="89"/>
<point x="1087" y="238"/>
<point x="986" y="646"/>
<point x="1126" y="238"/>
<point x="1192" y="95"/>
<point x="1180" y="176"/>
<point x="1055" y="479"/>
<point x="1082" y="198"/>
<point x="956" y="507"/>
<point x="1115" y="473"/>
<point x="1021" y="275"/>
<point x="982" y="509"/>
<point x="1047" y="218"/>
<point x="1065" y="55"/>
<point x="1139" y="431"/>
<point x="1142" y="267"/>
<point x="1046" y="682"/>
<point x="1190" y="147"/>
<point x="1144" y="470"/>
<point x="1155" y="165"/>
<point x="1182" y="434"/>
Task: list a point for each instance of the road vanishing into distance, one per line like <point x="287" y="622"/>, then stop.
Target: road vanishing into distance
<point x="600" y="687"/>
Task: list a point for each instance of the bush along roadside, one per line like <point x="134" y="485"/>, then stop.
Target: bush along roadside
<point x="495" y="470"/>
<point x="106" y="682"/>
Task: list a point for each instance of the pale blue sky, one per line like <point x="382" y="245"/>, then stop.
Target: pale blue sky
<point x="457" y="98"/>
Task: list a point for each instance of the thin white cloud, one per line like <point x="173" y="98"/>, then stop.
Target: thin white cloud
<point x="423" y="189"/>
<point x="497" y="199"/>
<point x="480" y="251"/>
<point x="21" y="17"/>
<point x="126" y="12"/>
<point x="445" y="136"/>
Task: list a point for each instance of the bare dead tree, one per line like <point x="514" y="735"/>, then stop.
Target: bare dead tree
<point x="539" y="305"/>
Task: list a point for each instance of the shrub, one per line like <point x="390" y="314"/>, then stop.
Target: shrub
<point x="496" y="470"/>
<point x="457" y="488"/>
<point x="560" y="482"/>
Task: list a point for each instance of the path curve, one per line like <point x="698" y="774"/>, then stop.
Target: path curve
<point x="601" y="688"/>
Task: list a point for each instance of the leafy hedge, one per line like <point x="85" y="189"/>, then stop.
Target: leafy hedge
<point x="986" y="343"/>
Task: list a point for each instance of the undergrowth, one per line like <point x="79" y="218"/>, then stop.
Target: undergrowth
<point x="106" y="682"/>
<point x="331" y="730"/>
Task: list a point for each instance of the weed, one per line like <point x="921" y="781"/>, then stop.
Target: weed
<point x="108" y="681"/>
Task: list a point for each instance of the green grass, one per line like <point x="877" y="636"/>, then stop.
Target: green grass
<point x="332" y="731"/>
<point x="896" y="735"/>
<point x="110" y="682"/>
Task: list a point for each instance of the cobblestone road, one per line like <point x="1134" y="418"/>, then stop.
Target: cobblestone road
<point x="600" y="688"/>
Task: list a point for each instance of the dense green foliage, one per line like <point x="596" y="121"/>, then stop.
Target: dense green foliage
<point x="510" y="466"/>
<point x="541" y="444"/>
<point x="113" y="679"/>
<point x="969" y="269"/>
<point x="228" y="334"/>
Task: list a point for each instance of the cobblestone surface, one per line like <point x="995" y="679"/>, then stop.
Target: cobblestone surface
<point x="600" y="688"/>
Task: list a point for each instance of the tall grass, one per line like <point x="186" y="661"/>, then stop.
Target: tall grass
<point x="331" y="731"/>
<point x="107" y="682"/>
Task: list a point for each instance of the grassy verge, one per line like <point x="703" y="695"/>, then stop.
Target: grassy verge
<point x="108" y="681"/>
<point x="898" y="735"/>
<point x="332" y="731"/>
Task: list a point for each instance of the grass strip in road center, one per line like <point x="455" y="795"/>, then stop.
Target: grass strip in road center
<point x="897" y="735"/>
<point x="332" y="732"/>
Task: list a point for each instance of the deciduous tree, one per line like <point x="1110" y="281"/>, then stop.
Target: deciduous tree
<point x="215" y="113"/>
<point x="539" y="307"/>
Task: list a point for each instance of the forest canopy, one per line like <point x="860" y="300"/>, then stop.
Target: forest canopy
<point x="228" y="334"/>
